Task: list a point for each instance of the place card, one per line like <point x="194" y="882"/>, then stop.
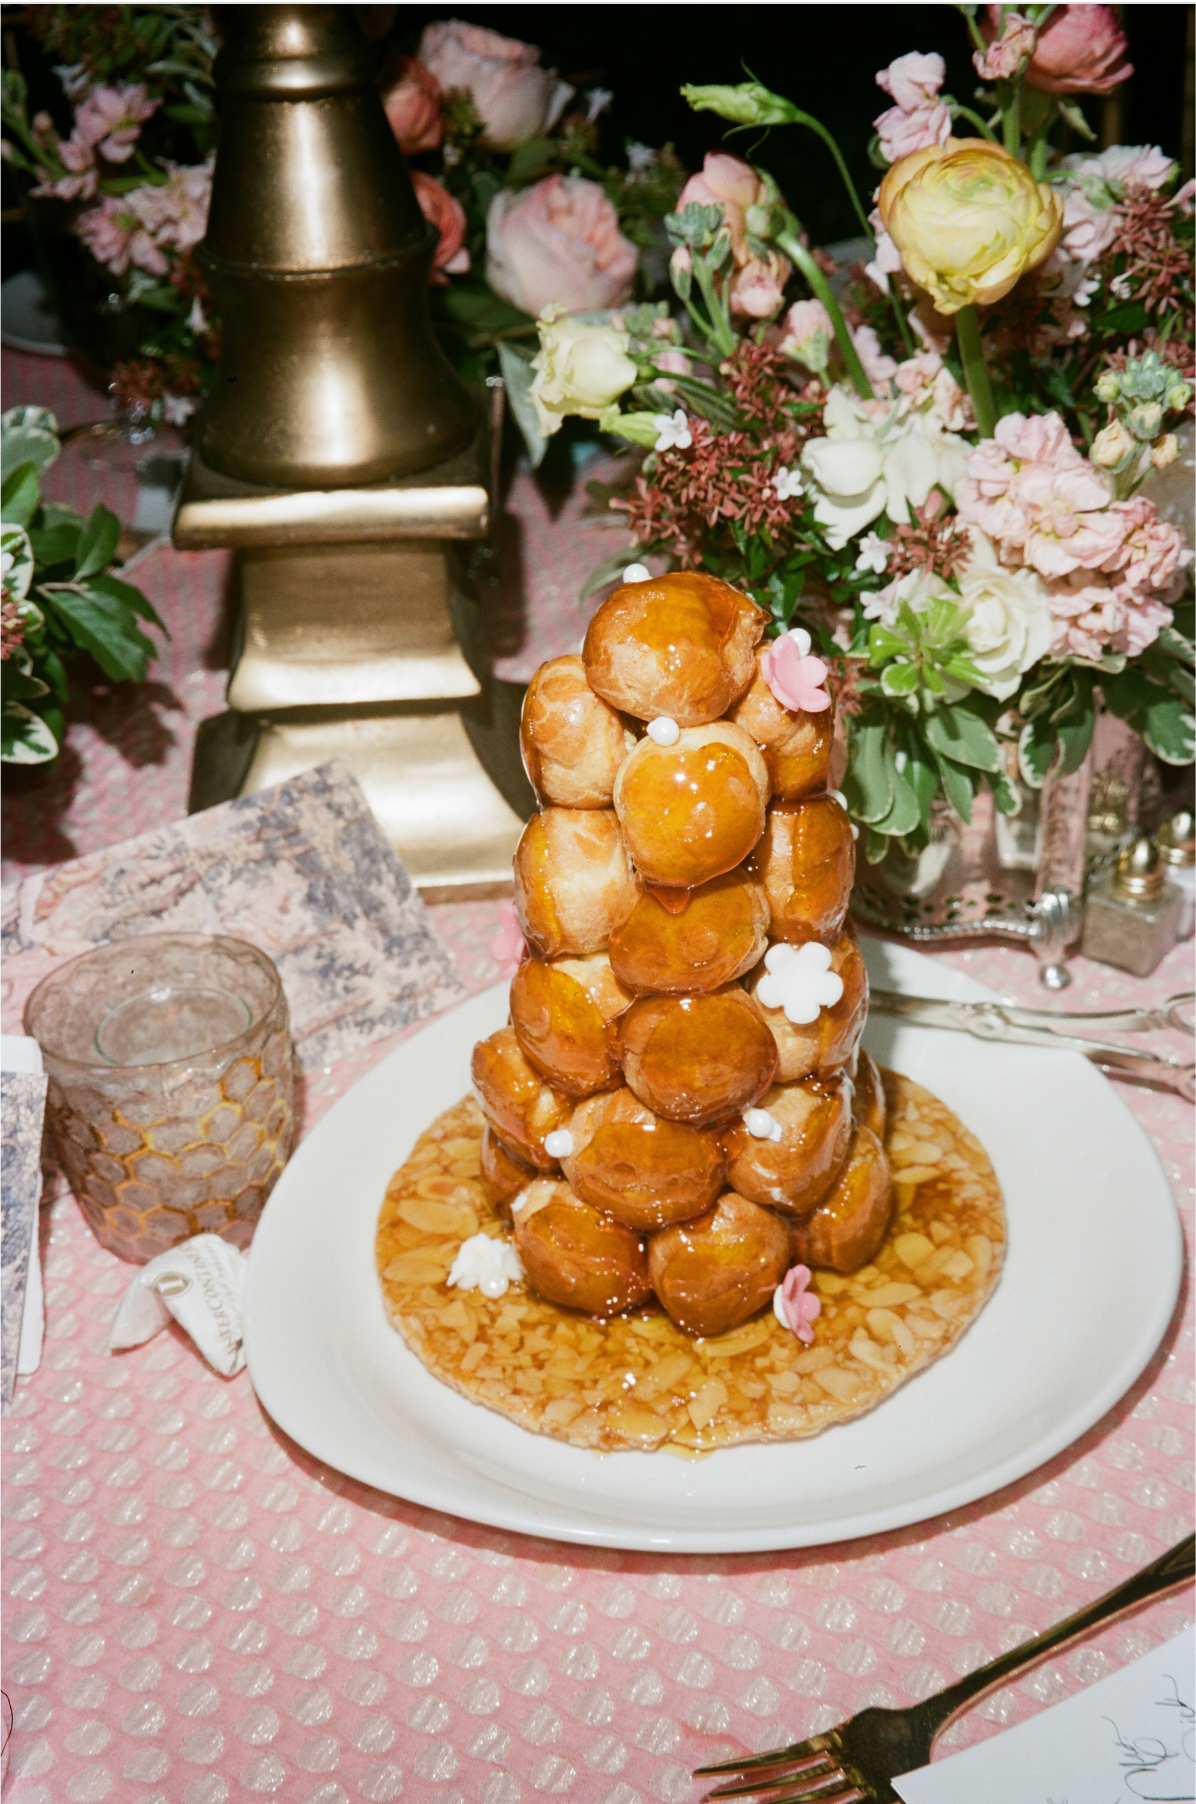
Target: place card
<point x="1126" y="1737"/>
<point x="22" y="1109"/>
<point x="302" y="871"/>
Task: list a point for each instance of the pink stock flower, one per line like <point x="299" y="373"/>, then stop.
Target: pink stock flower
<point x="929" y="387"/>
<point x="795" y="1304"/>
<point x="1068" y="522"/>
<point x="116" y="237"/>
<point x="558" y="241"/>
<point x="1005" y="55"/>
<point x="919" y="119"/>
<point x="110" y="120"/>
<point x="795" y="678"/>
<point x="411" y="97"/>
<point x="878" y="367"/>
<point x="1093" y="615"/>
<point x="515" y="98"/>
<point x="1148" y="557"/>
<point x="445" y="212"/>
<point x="508" y="947"/>
<point x="1080" y="50"/>
<point x="174" y="212"/>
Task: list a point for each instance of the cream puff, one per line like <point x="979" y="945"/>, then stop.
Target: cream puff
<point x="713" y="1273"/>
<point x="697" y="1059"/>
<point x="573" y="881"/>
<point x="679" y="646"/>
<point x="693" y="807"/>
<point x="576" y="1256"/>
<point x="638" y="1167"/>
<point x="572" y="742"/>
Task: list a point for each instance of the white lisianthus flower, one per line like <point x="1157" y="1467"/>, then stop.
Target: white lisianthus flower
<point x="872" y="462"/>
<point x="580" y="369"/>
<point x="1010" y="626"/>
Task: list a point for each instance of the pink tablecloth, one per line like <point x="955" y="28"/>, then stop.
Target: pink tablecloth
<point x="197" y="1611"/>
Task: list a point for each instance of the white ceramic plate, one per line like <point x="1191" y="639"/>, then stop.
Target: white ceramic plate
<point x="1090" y="1280"/>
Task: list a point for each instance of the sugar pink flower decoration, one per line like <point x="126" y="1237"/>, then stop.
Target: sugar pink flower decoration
<point x="793" y="1304"/>
<point x="796" y="678"/>
<point x="507" y="947"/>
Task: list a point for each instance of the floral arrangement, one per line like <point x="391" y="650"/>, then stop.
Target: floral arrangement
<point x="938" y="475"/>
<point x="58" y="596"/>
<point x="135" y="170"/>
<point x="503" y="159"/>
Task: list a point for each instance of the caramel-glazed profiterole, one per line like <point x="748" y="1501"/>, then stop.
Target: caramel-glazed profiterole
<point x="662" y="1134"/>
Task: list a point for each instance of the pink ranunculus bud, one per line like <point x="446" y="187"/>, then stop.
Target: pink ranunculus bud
<point x="758" y="287"/>
<point x="558" y="241"/>
<point x="515" y="98"/>
<point x="446" y="213"/>
<point x="1005" y="55"/>
<point x="795" y="678"/>
<point x="1080" y="50"/>
<point x="411" y="97"/>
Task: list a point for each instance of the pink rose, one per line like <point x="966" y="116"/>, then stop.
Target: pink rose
<point x="1006" y="54"/>
<point x="1081" y="50"/>
<point x="446" y="213"/>
<point x="558" y="241"/>
<point x="729" y="183"/>
<point x="515" y="98"/>
<point x="411" y="97"/>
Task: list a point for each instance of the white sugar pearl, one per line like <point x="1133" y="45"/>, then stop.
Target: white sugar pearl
<point x="636" y="573"/>
<point x="559" y="1144"/>
<point x="761" y="1125"/>
<point x="664" y="730"/>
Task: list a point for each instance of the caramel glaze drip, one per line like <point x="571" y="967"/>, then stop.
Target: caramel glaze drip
<point x="561" y="1030"/>
<point x="649" y="1173"/>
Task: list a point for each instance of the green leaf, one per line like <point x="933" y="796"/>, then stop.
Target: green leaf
<point x="19" y="495"/>
<point x="1133" y="317"/>
<point x="1004" y="794"/>
<point x="25" y="738"/>
<point x="960" y="734"/>
<point x="899" y="679"/>
<point x="868" y="782"/>
<point x="97" y="545"/>
<point x="18" y="684"/>
<point x="17" y="547"/>
<point x="1169" y="728"/>
<point x="1035" y="750"/>
<point x="518" y="376"/>
<point x="103" y="626"/>
<point x="614" y="565"/>
<point x="28" y="435"/>
<point x="132" y="598"/>
<point x="54" y="545"/>
<point x="957" y="786"/>
<point x="904" y="814"/>
<point x="529" y="160"/>
<point x="479" y="308"/>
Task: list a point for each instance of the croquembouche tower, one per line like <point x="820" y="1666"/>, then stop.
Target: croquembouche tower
<point x="679" y="1105"/>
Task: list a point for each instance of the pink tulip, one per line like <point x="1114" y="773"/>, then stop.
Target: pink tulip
<point x="558" y="241"/>
<point x="411" y="96"/>
<point x="515" y="98"/>
<point x="446" y="213"/>
<point x="1081" y="50"/>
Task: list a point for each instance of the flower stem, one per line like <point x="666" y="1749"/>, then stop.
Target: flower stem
<point x="1009" y="95"/>
<point x="793" y="248"/>
<point x="967" y="331"/>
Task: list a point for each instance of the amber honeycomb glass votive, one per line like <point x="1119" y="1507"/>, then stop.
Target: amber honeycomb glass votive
<point x="171" y="1086"/>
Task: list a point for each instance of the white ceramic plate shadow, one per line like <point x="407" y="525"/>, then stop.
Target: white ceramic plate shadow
<point x="1090" y="1280"/>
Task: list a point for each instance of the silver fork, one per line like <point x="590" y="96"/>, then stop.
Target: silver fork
<point x="857" y="1762"/>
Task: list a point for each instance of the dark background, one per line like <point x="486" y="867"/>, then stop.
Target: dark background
<point x="822" y="57"/>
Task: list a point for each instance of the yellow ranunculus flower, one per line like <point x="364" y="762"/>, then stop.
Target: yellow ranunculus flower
<point x="969" y="220"/>
<point x="580" y="369"/>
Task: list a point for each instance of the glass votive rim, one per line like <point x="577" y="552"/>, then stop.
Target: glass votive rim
<point x="54" y="986"/>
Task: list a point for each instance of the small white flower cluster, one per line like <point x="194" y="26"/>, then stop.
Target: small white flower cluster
<point x="788" y="484"/>
<point x="486" y="1265"/>
<point x="799" y="980"/>
<point x="672" y="431"/>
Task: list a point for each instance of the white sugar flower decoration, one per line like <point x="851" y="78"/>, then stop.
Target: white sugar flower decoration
<point x="799" y="980"/>
<point x="636" y="573"/>
<point x="672" y="431"/>
<point x="788" y="484"/>
<point x="762" y="1125"/>
<point x="874" y="553"/>
<point x="486" y="1265"/>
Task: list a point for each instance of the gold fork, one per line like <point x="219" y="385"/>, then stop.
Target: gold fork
<point x="857" y="1762"/>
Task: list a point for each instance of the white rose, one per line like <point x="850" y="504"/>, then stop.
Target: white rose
<point x="872" y="462"/>
<point x="1010" y="625"/>
<point x="580" y="369"/>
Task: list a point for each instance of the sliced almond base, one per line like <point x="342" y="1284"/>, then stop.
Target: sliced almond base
<point x="639" y="1381"/>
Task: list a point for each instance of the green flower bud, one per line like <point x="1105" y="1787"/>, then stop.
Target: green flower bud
<point x="639" y="428"/>
<point x="749" y="103"/>
<point x="1146" y="419"/>
<point x="1178" y="396"/>
<point x="1108" y="388"/>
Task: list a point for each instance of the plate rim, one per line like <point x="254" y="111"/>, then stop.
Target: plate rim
<point x="530" y="1515"/>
